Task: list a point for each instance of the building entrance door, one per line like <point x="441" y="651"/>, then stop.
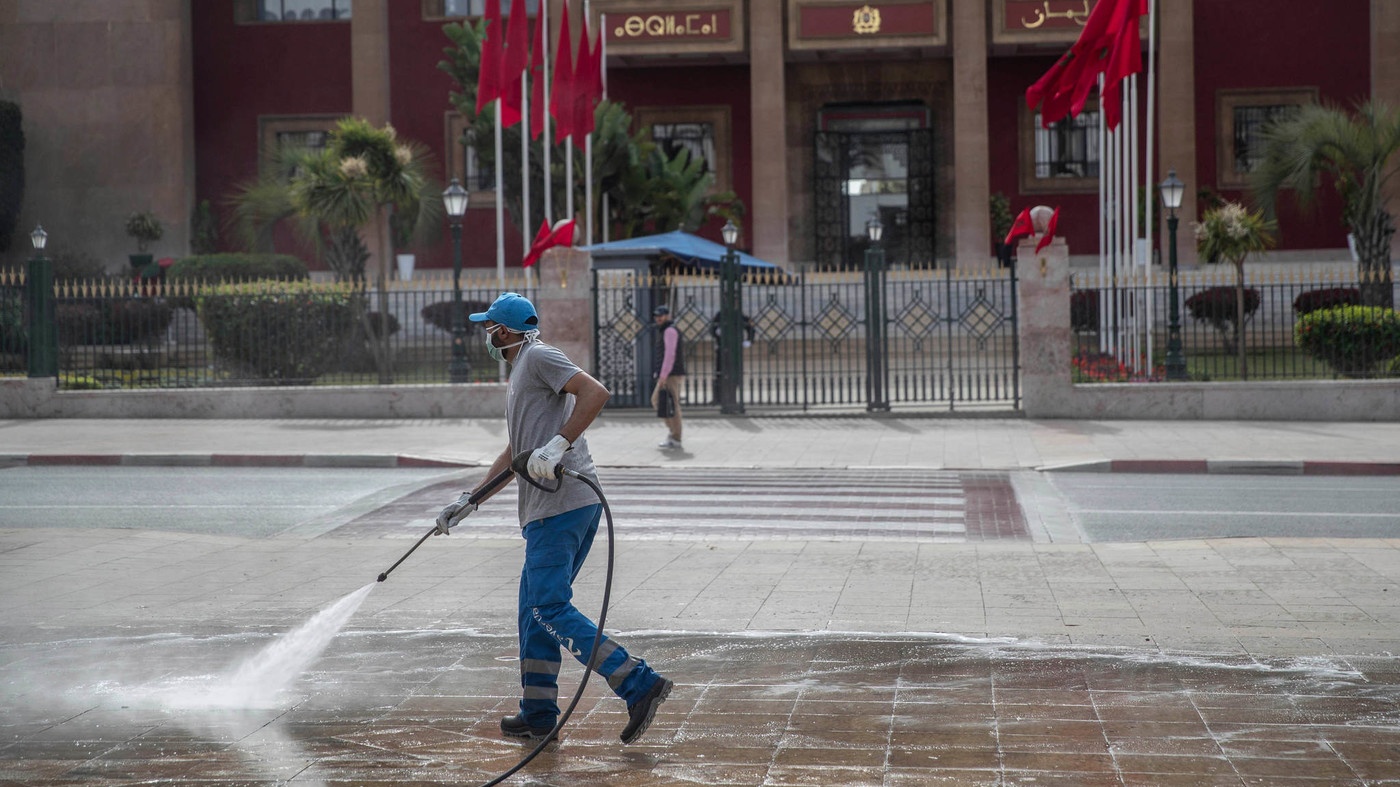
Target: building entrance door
<point x="874" y="161"/>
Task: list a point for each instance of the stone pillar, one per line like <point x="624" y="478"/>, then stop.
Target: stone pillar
<point x="369" y="75"/>
<point x="1044" y="327"/>
<point x="108" y="116"/>
<point x="768" y="229"/>
<point x="1385" y="78"/>
<point x="972" y="191"/>
<point x="1176" y="115"/>
<point x="564" y="300"/>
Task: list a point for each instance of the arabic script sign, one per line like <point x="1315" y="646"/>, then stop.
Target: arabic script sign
<point x="1046" y="14"/>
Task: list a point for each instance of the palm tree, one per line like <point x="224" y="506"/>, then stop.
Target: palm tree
<point x="1230" y="233"/>
<point x="360" y="177"/>
<point x="1357" y="153"/>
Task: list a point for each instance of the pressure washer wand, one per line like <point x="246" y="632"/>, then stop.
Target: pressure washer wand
<point x="476" y="497"/>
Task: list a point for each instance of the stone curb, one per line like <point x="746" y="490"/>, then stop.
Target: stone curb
<point x="1226" y="467"/>
<point x="1147" y="466"/>
<point x="231" y="460"/>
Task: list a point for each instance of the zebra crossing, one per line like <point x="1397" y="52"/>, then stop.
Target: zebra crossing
<point x="724" y="503"/>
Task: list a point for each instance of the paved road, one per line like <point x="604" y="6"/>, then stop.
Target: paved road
<point x="718" y="503"/>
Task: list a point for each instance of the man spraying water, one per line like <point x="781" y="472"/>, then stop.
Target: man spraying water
<point x="549" y="403"/>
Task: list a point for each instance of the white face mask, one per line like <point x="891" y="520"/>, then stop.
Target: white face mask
<point x="498" y="353"/>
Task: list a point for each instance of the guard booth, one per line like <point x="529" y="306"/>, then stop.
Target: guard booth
<point x="630" y="279"/>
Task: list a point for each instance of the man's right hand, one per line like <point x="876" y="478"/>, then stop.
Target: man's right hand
<point x="454" y="513"/>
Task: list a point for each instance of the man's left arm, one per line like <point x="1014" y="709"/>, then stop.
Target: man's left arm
<point x="589" y="398"/>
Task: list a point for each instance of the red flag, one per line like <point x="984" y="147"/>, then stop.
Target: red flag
<point x="561" y="91"/>
<point x="1049" y="230"/>
<point x="1110" y="44"/>
<point x="561" y="234"/>
<point x="587" y="86"/>
<point x="537" y="77"/>
<point x="1021" y="227"/>
<point x="513" y="63"/>
<point x="488" y="81"/>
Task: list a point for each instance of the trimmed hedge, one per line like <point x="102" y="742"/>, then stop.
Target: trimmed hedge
<point x="1353" y="340"/>
<point x="1084" y="310"/>
<point x="439" y="314"/>
<point x="1216" y="305"/>
<point x="1328" y="298"/>
<point x="287" y="335"/>
<point x="111" y="321"/>
<point x="238" y="267"/>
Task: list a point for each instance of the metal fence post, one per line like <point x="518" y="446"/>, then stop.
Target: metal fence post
<point x="39" y="304"/>
<point x="876" y="366"/>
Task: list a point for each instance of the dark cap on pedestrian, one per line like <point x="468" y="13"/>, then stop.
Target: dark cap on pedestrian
<point x="661" y="311"/>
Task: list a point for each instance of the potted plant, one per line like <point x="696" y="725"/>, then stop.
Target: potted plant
<point x="145" y="228"/>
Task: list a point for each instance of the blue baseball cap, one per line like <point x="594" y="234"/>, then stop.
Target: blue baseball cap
<point x="512" y="310"/>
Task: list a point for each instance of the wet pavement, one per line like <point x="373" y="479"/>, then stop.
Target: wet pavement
<point x="922" y="627"/>
<point x="421" y="707"/>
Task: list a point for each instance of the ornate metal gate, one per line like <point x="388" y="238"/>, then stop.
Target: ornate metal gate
<point x="934" y="337"/>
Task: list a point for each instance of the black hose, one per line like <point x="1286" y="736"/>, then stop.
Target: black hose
<point x="518" y="467"/>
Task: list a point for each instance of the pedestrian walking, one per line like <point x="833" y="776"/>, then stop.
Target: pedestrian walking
<point x="670" y="375"/>
<point x="549" y="403"/>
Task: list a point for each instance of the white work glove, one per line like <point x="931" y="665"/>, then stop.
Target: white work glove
<point x="454" y="513"/>
<point x="546" y="458"/>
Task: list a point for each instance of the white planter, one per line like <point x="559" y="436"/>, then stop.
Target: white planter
<point x="405" y="262"/>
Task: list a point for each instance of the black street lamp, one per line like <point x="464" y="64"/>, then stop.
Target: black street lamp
<point x="731" y="326"/>
<point x="38" y="296"/>
<point x="455" y="200"/>
<point x="1172" y="190"/>
<point x="877" y="399"/>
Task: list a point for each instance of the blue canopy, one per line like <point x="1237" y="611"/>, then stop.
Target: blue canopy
<point x="688" y="249"/>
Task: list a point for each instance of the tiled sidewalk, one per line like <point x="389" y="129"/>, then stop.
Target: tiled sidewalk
<point x="420" y="708"/>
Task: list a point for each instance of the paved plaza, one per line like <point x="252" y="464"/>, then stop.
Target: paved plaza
<point x="841" y="601"/>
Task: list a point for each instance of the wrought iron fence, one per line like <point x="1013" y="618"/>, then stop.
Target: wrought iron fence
<point x="1121" y="324"/>
<point x="116" y="333"/>
<point x="950" y="337"/>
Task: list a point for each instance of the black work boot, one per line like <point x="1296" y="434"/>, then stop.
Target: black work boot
<point x="516" y="727"/>
<point x="639" y="715"/>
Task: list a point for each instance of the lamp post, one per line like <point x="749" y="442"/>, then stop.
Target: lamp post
<point x="731" y="326"/>
<point x="1172" y="190"/>
<point x="38" y="297"/>
<point x="454" y="198"/>
<point x="877" y="398"/>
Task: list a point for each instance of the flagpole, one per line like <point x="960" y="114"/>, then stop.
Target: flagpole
<point x="588" y="153"/>
<point x="548" y="174"/>
<point x="1150" y="133"/>
<point x="525" y="160"/>
<point x="603" y="69"/>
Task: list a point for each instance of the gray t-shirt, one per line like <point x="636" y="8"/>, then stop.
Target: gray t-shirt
<point x="536" y="409"/>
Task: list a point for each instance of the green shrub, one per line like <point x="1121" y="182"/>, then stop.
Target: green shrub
<point x="1353" y="340"/>
<point x="145" y="228"/>
<point x="111" y="320"/>
<point x="1326" y="298"/>
<point x="11" y="170"/>
<point x="1216" y="305"/>
<point x="1084" y="310"/>
<point x="237" y="267"/>
<point x="204" y="229"/>
<point x="287" y="334"/>
<point x="14" y="333"/>
<point x="439" y="314"/>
